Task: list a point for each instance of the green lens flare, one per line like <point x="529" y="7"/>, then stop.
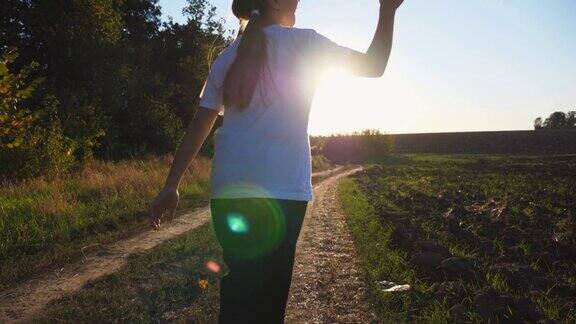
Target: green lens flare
<point x="237" y="223"/>
<point x="249" y="227"/>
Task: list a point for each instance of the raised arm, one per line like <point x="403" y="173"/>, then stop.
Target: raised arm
<point x="167" y="200"/>
<point x="372" y="64"/>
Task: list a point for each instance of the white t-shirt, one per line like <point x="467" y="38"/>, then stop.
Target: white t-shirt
<point x="264" y="150"/>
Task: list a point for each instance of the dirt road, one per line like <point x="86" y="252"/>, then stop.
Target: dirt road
<point x="327" y="284"/>
<point x="326" y="287"/>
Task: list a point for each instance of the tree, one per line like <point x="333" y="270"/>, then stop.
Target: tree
<point x="538" y="123"/>
<point x="15" y="87"/>
<point x="571" y="119"/>
<point x="556" y="120"/>
<point x="368" y="146"/>
<point x="31" y="142"/>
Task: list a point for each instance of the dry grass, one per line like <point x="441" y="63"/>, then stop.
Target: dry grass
<point x="46" y="222"/>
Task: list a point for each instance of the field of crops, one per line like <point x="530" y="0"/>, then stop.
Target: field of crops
<point x="479" y="238"/>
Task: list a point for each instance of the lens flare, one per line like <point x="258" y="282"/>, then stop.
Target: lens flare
<point x="241" y="189"/>
<point x="213" y="266"/>
<point x="237" y="223"/>
<point x="250" y="227"/>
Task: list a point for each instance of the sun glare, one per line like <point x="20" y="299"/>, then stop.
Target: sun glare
<point x="345" y="103"/>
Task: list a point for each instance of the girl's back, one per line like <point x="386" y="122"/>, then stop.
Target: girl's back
<point x="264" y="150"/>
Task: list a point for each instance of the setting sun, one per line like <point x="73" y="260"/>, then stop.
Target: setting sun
<point x="345" y="103"/>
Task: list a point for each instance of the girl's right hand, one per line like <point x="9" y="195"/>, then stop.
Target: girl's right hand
<point x="391" y="4"/>
<point x="164" y="204"/>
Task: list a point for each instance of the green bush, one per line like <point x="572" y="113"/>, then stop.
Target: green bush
<point x="32" y="143"/>
<point x="369" y="146"/>
<point x="45" y="151"/>
<point x="320" y="163"/>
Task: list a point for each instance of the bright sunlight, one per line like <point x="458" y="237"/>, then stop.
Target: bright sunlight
<point x="345" y="103"/>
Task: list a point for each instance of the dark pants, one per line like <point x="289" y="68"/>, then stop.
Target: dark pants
<point x="258" y="237"/>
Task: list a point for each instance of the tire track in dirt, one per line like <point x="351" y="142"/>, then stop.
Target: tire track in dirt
<point x="327" y="284"/>
<point x="21" y="302"/>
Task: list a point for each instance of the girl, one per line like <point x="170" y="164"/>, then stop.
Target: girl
<point x="263" y="84"/>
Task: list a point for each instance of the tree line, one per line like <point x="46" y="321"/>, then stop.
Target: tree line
<point x="557" y="120"/>
<point x="366" y="146"/>
<point x="107" y="79"/>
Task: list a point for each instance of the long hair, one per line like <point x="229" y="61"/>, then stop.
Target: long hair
<point x="245" y="72"/>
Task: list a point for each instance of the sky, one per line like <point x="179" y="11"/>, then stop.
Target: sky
<point x="473" y="65"/>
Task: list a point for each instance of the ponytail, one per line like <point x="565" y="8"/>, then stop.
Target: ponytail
<point x="244" y="74"/>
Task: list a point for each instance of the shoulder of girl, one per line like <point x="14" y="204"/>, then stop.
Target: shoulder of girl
<point x="226" y="53"/>
<point x="305" y="31"/>
<point x="304" y="35"/>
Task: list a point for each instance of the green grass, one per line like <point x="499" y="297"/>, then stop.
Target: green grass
<point x="169" y="284"/>
<point x="44" y="223"/>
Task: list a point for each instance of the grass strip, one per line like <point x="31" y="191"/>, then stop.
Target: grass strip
<point x="171" y="283"/>
<point x="379" y="262"/>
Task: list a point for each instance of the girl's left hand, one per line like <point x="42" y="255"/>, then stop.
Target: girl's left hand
<point x="165" y="203"/>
